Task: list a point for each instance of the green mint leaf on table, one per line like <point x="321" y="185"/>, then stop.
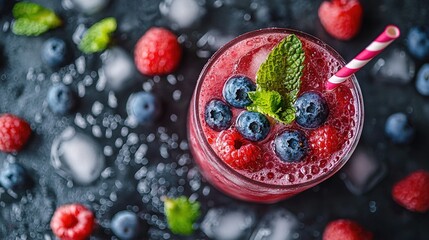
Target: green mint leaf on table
<point x="278" y="81"/>
<point x="181" y="214"/>
<point x="98" y="36"/>
<point x="32" y="19"/>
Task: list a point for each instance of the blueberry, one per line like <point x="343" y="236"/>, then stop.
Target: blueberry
<point x="422" y="82"/>
<point x="61" y="99"/>
<point x="144" y="107"/>
<point x="13" y="176"/>
<point x="54" y="52"/>
<point x="311" y="110"/>
<point x="125" y="225"/>
<point x="399" y="129"/>
<point x="218" y="115"/>
<point x="291" y="146"/>
<point x="253" y="126"/>
<point x="418" y="42"/>
<point x="235" y="91"/>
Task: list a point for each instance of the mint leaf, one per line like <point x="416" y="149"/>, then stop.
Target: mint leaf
<point x="181" y="214"/>
<point x="32" y="19"/>
<point x="278" y="81"/>
<point x="282" y="70"/>
<point x="273" y="104"/>
<point x="27" y="27"/>
<point x="98" y="36"/>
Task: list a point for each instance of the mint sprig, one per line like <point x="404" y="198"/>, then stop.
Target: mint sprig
<point x="273" y="104"/>
<point x="278" y="81"/>
<point x="98" y="36"/>
<point x="32" y="19"/>
<point x="181" y="214"/>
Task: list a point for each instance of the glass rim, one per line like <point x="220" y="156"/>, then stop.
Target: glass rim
<point x="347" y="151"/>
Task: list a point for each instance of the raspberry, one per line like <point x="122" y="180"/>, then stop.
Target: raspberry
<point x="341" y="18"/>
<point x="343" y="229"/>
<point x="412" y="192"/>
<point x="14" y="133"/>
<point x="72" y="222"/>
<point x="234" y="150"/>
<point x="157" y="52"/>
<point x="324" y="141"/>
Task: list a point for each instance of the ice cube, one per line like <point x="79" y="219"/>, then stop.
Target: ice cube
<point x="77" y="156"/>
<point x="395" y="66"/>
<point x="363" y="171"/>
<point x="90" y="6"/>
<point x="277" y="224"/>
<point x="118" y="68"/>
<point x="250" y="63"/>
<point x="228" y="223"/>
<point x="182" y="13"/>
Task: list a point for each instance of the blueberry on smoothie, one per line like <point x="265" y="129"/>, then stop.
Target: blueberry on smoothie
<point x="253" y="126"/>
<point x="218" y="115"/>
<point x="235" y="91"/>
<point x="311" y="110"/>
<point x="291" y="146"/>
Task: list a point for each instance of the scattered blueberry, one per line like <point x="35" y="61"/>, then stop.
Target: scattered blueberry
<point x="13" y="176"/>
<point x="125" y="225"/>
<point x="235" y="91"/>
<point x="253" y="126"/>
<point x="218" y="115"/>
<point x="144" y="107"/>
<point x="311" y="110"/>
<point x="54" y="52"/>
<point x="291" y="146"/>
<point x="399" y="129"/>
<point x="422" y="82"/>
<point x="61" y="99"/>
<point x="418" y="42"/>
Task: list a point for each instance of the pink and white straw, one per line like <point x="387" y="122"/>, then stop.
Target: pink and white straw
<point x="381" y="42"/>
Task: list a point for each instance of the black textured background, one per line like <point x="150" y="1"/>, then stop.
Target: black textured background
<point x="28" y="216"/>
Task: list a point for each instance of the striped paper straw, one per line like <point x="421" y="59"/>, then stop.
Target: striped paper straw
<point x="381" y="42"/>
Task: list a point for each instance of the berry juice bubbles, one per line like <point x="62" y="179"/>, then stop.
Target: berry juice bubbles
<point x="261" y="125"/>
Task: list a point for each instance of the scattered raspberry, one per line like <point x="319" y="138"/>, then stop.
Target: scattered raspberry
<point x="72" y="222"/>
<point x="14" y="133"/>
<point x="343" y="229"/>
<point x="237" y="152"/>
<point x="412" y="192"/>
<point x="324" y="141"/>
<point x="157" y="52"/>
<point x="341" y="18"/>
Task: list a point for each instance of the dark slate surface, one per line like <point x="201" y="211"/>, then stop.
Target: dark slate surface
<point x="27" y="216"/>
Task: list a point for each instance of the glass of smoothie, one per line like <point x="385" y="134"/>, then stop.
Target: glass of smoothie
<point x="254" y="156"/>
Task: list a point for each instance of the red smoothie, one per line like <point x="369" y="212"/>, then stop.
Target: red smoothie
<point x="275" y="179"/>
